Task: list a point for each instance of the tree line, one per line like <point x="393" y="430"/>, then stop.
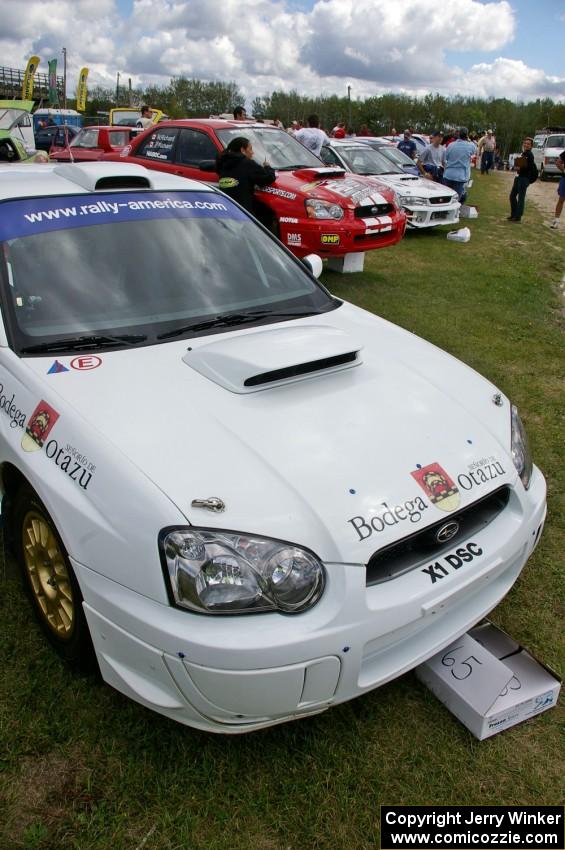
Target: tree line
<point x="189" y="98"/>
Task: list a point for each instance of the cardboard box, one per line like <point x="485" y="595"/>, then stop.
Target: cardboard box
<point x="349" y="263"/>
<point x="489" y="682"/>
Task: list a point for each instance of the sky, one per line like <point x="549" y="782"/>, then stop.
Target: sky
<point x="487" y="48"/>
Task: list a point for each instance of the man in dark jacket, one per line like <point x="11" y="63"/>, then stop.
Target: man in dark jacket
<point x="239" y="173"/>
<point x="527" y="173"/>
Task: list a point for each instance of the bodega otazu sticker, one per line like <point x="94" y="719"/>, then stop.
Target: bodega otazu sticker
<point x="68" y="459"/>
<point x="40" y="424"/>
<point x="438" y="486"/>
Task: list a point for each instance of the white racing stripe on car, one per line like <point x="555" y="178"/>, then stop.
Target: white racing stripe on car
<point x="377" y="222"/>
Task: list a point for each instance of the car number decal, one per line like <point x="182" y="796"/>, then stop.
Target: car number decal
<point x="454" y="561"/>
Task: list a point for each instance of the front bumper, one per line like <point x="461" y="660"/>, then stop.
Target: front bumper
<point x="236" y="674"/>
<point x="432" y="215"/>
<point x="337" y="238"/>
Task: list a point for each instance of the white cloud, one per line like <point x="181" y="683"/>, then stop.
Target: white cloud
<point x="376" y="45"/>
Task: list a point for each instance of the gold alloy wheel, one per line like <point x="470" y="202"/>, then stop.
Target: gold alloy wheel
<point x="48" y="574"/>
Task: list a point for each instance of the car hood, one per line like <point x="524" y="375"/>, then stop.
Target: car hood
<point x="419" y="186"/>
<point x="334" y="185"/>
<point x="331" y="459"/>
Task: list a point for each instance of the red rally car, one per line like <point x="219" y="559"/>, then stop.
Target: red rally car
<point x="312" y="208"/>
<point x="92" y="143"/>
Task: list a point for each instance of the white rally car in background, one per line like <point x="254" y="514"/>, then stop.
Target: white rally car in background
<point x="253" y="500"/>
<point x="425" y="202"/>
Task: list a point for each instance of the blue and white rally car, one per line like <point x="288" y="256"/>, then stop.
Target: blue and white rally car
<point x="250" y="499"/>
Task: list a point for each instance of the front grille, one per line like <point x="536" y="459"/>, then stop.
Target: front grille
<point x="442" y="199"/>
<point x="387" y="232"/>
<point x="374" y="210"/>
<point x="413" y="551"/>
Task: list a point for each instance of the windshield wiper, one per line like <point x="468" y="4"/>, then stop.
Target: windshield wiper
<point x="236" y="319"/>
<point x="78" y="343"/>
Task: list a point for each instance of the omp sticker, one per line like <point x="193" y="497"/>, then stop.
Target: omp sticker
<point x="330" y="239"/>
<point x="39" y="215"/>
<point x="39" y="426"/>
<point x="438" y="486"/>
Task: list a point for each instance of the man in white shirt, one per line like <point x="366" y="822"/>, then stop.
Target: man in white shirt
<point x="431" y="161"/>
<point x="146" y="120"/>
<point x="487" y="147"/>
<point x="311" y="136"/>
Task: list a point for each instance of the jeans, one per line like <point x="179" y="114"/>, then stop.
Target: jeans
<point x="487" y="160"/>
<point x="518" y="197"/>
<point x="436" y="171"/>
<point x="460" y="186"/>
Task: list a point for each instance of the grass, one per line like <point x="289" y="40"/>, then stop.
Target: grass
<point x="83" y="767"/>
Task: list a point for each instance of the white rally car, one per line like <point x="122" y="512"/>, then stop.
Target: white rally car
<point x="425" y="202"/>
<point x="252" y="499"/>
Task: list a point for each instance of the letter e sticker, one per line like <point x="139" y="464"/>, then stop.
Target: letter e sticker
<point x="438" y="486"/>
<point x="86" y="362"/>
<point x="40" y="424"/>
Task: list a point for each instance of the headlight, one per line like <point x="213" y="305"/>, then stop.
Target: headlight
<point x="321" y="209"/>
<point x="218" y="572"/>
<point x="410" y="201"/>
<point x="520" y="448"/>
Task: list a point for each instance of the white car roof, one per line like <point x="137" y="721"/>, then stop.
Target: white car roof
<point x="23" y="180"/>
<point x="345" y="143"/>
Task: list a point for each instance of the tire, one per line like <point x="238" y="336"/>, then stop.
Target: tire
<point x="50" y="581"/>
<point x="542" y="174"/>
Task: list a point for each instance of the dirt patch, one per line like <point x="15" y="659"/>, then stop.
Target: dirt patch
<point x="46" y="789"/>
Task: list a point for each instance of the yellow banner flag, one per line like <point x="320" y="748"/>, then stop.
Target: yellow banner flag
<point x="27" y="86"/>
<point x="82" y="90"/>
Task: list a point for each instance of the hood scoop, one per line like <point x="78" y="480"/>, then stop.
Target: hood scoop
<point x="249" y="362"/>
<point x="320" y="173"/>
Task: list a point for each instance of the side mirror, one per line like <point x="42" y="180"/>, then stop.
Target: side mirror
<point x="314" y="264"/>
<point x="207" y="165"/>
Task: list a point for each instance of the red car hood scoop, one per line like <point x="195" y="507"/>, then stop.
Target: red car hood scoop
<point x="323" y="173"/>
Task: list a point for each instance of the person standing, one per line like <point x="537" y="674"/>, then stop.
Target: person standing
<point x="311" y="136"/>
<point x="458" y="164"/>
<point x="407" y="145"/>
<point x="239" y="113"/>
<point x="527" y="173"/>
<point x="145" y="121"/>
<point x="239" y="173"/>
<point x="431" y="162"/>
<point x="560" y="163"/>
<point x="487" y="147"/>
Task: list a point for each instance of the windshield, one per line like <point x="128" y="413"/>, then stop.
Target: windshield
<point x="86" y="138"/>
<point x="555" y="142"/>
<point x="366" y="160"/>
<point x="279" y="149"/>
<point x="396" y="156"/>
<point x="8" y="116"/>
<point x="153" y="263"/>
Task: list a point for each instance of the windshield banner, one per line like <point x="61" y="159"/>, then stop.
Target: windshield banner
<point x="40" y="215"/>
